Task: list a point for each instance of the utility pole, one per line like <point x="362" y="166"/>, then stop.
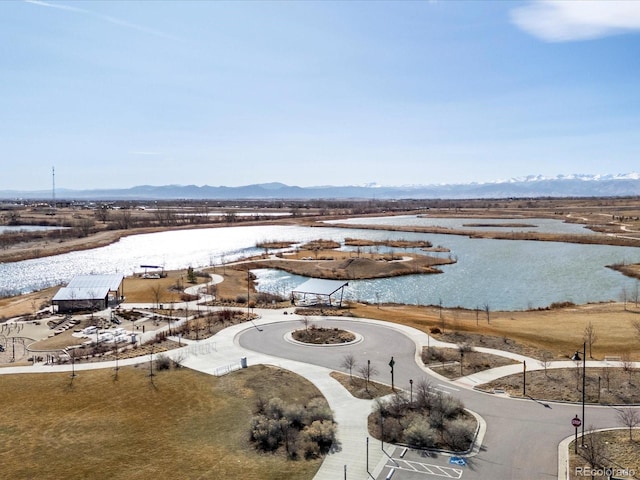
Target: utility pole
<point x="53" y="190"/>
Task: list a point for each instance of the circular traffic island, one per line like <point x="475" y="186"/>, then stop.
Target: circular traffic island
<point x="323" y="336"/>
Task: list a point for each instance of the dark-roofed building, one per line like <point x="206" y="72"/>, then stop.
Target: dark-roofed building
<point x="316" y="289"/>
<point x="89" y="292"/>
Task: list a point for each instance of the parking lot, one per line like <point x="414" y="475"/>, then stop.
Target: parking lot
<point x="408" y="464"/>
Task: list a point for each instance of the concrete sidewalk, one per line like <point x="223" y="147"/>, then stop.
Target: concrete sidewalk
<point x="222" y="352"/>
<point x="350" y="413"/>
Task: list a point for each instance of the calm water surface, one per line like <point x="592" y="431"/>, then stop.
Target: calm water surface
<point x="506" y="275"/>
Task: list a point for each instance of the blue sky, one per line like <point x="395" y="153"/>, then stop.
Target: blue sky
<point x="117" y="94"/>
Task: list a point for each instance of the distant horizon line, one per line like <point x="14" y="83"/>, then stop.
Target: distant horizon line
<point x="369" y="185"/>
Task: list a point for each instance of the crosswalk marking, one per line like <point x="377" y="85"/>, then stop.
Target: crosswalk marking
<point x="427" y="469"/>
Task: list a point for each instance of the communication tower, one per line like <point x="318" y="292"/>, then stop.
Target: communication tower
<point x="53" y="190"/>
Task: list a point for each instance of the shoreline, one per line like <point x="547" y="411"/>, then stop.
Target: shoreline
<point x="43" y="249"/>
<point x="46" y="248"/>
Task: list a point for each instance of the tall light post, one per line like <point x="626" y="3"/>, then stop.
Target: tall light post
<point x="367" y="454"/>
<point x="411" y="386"/>
<point x="576" y="358"/>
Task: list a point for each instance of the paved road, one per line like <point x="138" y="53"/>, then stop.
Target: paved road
<point x="522" y="437"/>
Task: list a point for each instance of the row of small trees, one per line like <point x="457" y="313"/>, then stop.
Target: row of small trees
<point x="202" y="327"/>
<point x="302" y="431"/>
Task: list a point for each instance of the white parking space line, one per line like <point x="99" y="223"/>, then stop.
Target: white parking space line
<point x="427" y="469"/>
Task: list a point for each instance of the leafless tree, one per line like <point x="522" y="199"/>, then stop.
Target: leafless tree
<point x="123" y="219"/>
<point x="578" y="374"/>
<point x="627" y="363"/>
<point x="546" y="362"/>
<point x="590" y="337"/>
<point x="156" y="292"/>
<point x="349" y="363"/>
<point x="606" y="376"/>
<point x="102" y="214"/>
<point x="209" y="319"/>
<point x="624" y="297"/>
<point x="84" y="226"/>
<point x="306" y="321"/>
<point x="636" y="326"/>
<point x="464" y="349"/>
<point x="487" y="311"/>
<point x="594" y="451"/>
<point x="366" y="371"/>
<point x="635" y="295"/>
<point x="630" y="418"/>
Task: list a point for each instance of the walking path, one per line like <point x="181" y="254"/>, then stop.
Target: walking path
<point x="222" y="352"/>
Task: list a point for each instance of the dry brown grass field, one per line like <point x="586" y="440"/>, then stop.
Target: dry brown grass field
<point x="183" y="425"/>
<point x="617" y="387"/>
<point x="559" y="331"/>
<point x="617" y="446"/>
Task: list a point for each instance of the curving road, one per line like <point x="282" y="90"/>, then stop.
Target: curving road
<point x="522" y="436"/>
<point x="521" y="439"/>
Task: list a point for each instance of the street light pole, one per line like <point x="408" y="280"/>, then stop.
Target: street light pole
<point x="584" y="380"/>
<point x="367" y="454"/>
<point x="576" y="358"/>
<point x="411" y="385"/>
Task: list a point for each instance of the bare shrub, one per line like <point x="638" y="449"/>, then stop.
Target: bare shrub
<point x="424" y="395"/>
<point x="317" y="409"/>
<point x="275" y="408"/>
<point x="178" y="360"/>
<point x="163" y="362"/>
<point x="296" y="415"/>
<point x="266" y="432"/>
<point x="458" y="434"/>
<point x="321" y="432"/>
<point x="450" y="406"/>
<point x="420" y="434"/>
<point x="391" y="429"/>
<point x="307" y="431"/>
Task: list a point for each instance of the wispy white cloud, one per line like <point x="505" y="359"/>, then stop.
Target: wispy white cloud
<point x="105" y="18"/>
<point x="563" y="21"/>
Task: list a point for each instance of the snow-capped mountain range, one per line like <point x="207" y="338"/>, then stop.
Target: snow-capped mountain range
<point x="576" y="185"/>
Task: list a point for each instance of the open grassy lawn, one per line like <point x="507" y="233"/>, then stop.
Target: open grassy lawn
<point x="184" y="425"/>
